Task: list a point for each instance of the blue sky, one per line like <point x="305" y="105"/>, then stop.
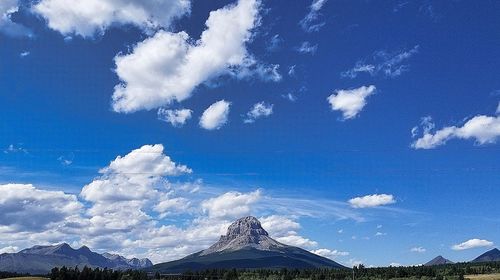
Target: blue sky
<point x="351" y="99"/>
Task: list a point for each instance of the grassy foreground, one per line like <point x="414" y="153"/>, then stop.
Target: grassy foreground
<point x="494" y="276"/>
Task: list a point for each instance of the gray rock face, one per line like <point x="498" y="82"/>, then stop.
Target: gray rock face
<point x="246" y="232"/>
<point x="41" y="259"/>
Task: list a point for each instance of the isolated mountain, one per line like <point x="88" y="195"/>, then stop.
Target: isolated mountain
<point x="490" y="256"/>
<point x="246" y="245"/>
<point x="439" y="260"/>
<point x="41" y="259"/>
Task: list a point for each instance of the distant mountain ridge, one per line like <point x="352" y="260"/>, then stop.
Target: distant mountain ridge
<point x="41" y="259"/>
<point x="490" y="256"/>
<point x="246" y="245"/>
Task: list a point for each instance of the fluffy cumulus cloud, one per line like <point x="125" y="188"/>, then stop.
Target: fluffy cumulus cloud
<point x="311" y="23"/>
<point x="90" y="17"/>
<point x="231" y="205"/>
<point x="25" y="208"/>
<point x="331" y="254"/>
<point x="7" y="26"/>
<point x="284" y="229"/>
<point x="350" y="101"/>
<point x="215" y="116"/>
<point x="482" y="129"/>
<point x="176" y="118"/>
<point x="169" y="66"/>
<point x="259" y="110"/>
<point x="373" y="200"/>
<point x="122" y="197"/>
<point x="471" y="244"/>
<point x="384" y="63"/>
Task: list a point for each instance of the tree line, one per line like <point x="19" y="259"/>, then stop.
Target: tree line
<point x="88" y="273"/>
<point x="438" y="272"/>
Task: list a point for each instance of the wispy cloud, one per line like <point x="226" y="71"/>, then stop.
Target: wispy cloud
<point x="387" y="64"/>
<point x="311" y="23"/>
<point x="307" y="48"/>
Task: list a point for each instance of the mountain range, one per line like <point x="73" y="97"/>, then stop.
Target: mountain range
<point x="41" y="259"/>
<point x="246" y="245"/>
<point x="489" y="256"/>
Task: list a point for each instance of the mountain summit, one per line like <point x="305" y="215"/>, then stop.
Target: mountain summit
<point x="247" y="245"/>
<point x="246" y="232"/>
<point x="439" y="260"/>
<point x="490" y="256"/>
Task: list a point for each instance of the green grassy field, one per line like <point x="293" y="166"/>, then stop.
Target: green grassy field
<point x="495" y="276"/>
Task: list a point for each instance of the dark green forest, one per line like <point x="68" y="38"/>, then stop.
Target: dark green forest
<point x="439" y="272"/>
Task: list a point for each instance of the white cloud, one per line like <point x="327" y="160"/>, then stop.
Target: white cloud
<point x="90" y="17"/>
<point x="290" y="97"/>
<point x="378" y="233"/>
<point x="418" y="250"/>
<point x="297" y="241"/>
<point x="24" y="54"/>
<point x="386" y="64"/>
<point x="259" y="110"/>
<point x="169" y="66"/>
<point x="331" y="254"/>
<point x="231" y="205"/>
<point x="483" y="129"/>
<point x="133" y="176"/>
<point x="310" y="22"/>
<point x="176" y="118"/>
<point x="215" y="116"/>
<point x="7" y="26"/>
<point x="350" y="101"/>
<point x="9" y="249"/>
<point x="275" y="43"/>
<point x="24" y="208"/>
<point x="307" y="48"/>
<point x="15" y="149"/>
<point x="373" y="200"/>
<point x="279" y="226"/>
<point x="472" y="243"/>
<point x="395" y="264"/>
<point x="284" y="229"/>
<point x="498" y="109"/>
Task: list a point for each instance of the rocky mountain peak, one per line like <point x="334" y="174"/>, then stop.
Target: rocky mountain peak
<point x="246" y="232"/>
<point x="248" y="226"/>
